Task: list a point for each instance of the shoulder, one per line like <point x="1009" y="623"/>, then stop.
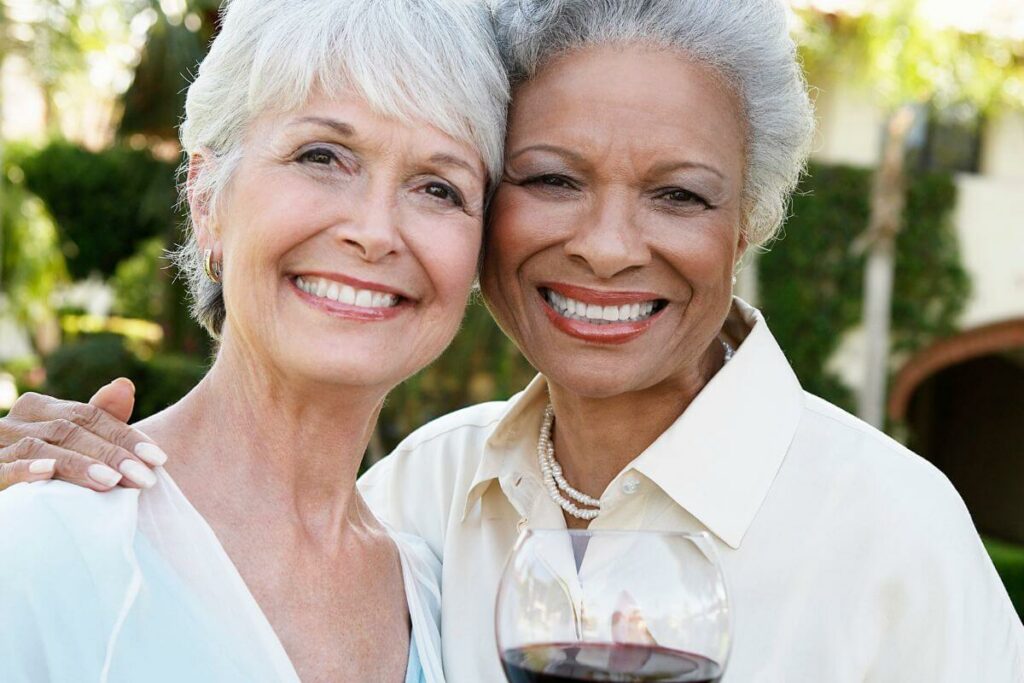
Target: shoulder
<point x="475" y="422"/>
<point x="876" y="476"/>
<point x="65" y="561"/>
<point x="443" y="447"/>
<point x="48" y="515"/>
<point x="417" y="487"/>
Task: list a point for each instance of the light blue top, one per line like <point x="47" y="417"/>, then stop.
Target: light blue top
<point x="119" y="587"/>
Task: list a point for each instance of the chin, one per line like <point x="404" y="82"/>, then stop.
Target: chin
<point x="599" y="382"/>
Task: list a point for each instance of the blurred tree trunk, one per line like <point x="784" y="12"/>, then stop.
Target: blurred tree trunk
<point x="888" y="199"/>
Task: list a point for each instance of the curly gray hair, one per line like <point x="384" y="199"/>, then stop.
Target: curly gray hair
<point x="412" y="60"/>
<point x="746" y="41"/>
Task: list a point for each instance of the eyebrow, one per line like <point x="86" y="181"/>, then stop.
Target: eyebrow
<point x="452" y="160"/>
<point x="575" y="157"/>
<point x="339" y="127"/>
<point x="669" y="166"/>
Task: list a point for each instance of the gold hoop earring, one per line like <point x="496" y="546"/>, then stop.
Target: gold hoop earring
<point x="211" y="267"/>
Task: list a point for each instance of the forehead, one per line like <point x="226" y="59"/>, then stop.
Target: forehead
<point x="629" y="95"/>
<point x="352" y="117"/>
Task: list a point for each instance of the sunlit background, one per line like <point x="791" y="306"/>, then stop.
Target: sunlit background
<point x="912" y="319"/>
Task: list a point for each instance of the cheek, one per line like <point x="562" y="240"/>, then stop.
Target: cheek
<point x="449" y="255"/>
<point x="521" y="226"/>
<point x="702" y="252"/>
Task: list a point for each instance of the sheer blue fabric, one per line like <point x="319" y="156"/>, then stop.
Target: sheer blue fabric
<point x="122" y="587"/>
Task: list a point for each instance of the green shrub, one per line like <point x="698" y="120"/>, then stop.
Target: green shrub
<point x="138" y="283"/>
<point x="104" y="203"/>
<point x="76" y="370"/>
<point x="1009" y="561"/>
<point x="165" y="379"/>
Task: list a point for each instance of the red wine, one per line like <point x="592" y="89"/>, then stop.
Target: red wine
<point x="613" y="663"/>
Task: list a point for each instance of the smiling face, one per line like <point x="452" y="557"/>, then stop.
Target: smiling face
<point x="614" y="234"/>
<point x="349" y="243"/>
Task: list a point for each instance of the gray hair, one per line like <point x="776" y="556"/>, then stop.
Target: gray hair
<point x="746" y="41"/>
<point x="411" y="60"/>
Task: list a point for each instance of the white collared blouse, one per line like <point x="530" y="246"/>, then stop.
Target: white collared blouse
<point x="848" y="558"/>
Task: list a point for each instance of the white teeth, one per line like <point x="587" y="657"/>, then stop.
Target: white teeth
<point x="599" y="315"/>
<point x="328" y="289"/>
<point x="347" y="295"/>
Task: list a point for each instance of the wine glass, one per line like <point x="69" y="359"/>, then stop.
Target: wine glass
<point x="623" y="606"/>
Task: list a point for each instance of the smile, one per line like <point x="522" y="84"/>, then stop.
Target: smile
<point x="598" y="314"/>
<point x="346" y="294"/>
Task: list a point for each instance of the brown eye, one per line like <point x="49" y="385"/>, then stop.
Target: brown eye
<point x="680" y="196"/>
<point x="551" y="180"/>
<point x="319" y="156"/>
<point x="444" y="193"/>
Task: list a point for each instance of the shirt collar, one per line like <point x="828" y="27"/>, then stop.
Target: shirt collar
<point x="717" y="460"/>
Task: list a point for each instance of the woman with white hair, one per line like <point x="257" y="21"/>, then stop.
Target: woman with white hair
<point x="650" y="143"/>
<point x="340" y="153"/>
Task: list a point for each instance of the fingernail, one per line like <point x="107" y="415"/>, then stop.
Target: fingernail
<point x="150" y="453"/>
<point x="44" y="466"/>
<point x="138" y="473"/>
<point x="125" y="380"/>
<point x="103" y="475"/>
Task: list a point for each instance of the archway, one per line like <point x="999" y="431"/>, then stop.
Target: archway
<point x="963" y="401"/>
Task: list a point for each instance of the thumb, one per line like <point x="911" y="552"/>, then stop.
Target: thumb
<point x="116" y="398"/>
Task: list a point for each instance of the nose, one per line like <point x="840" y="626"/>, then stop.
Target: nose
<point x="608" y="239"/>
<point x="372" y="230"/>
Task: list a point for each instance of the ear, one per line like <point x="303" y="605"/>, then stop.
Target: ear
<point x="199" y="170"/>
<point x="741" y="246"/>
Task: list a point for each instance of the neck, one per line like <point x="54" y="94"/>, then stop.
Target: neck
<point x="288" y="449"/>
<point x="596" y="438"/>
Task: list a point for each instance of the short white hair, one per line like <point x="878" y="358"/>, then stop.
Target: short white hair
<point x="432" y="61"/>
<point x="746" y="41"/>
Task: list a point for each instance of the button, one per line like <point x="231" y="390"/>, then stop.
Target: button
<point x="522" y="524"/>
<point x="630" y="485"/>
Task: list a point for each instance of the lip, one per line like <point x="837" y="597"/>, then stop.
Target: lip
<point x="608" y="333"/>
<point x="599" y="296"/>
<point x="351" y="281"/>
<point x="348" y="311"/>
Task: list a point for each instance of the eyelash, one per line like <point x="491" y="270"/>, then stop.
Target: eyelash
<point x="560" y="182"/>
<point x="690" y="197"/>
<point x="453" y="195"/>
<point x="306" y="156"/>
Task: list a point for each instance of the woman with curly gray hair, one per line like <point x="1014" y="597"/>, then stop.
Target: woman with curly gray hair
<point x="336" y="183"/>
<point x="650" y="143"/>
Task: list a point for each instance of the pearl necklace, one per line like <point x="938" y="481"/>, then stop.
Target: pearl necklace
<point x="551" y="471"/>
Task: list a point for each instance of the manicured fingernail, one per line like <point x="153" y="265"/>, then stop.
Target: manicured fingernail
<point x="125" y="380"/>
<point x="44" y="466"/>
<point x="138" y="473"/>
<point x="103" y="475"/>
<point x="150" y="453"/>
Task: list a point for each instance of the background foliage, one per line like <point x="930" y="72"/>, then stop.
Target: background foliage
<point x="104" y="203"/>
<point x="67" y="211"/>
<point x="810" y="282"/>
